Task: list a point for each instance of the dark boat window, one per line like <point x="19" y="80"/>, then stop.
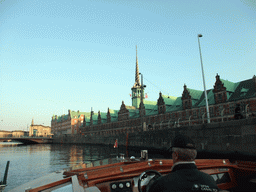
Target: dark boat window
<point x="215" y="177"/>
<point x="223" y="178"/>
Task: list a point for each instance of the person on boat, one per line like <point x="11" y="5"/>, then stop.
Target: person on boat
<point x="184" y="174"/>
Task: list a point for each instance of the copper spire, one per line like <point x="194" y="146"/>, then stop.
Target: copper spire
<point x="137" y="77"/>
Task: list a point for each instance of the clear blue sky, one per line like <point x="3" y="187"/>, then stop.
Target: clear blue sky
<point x="77" y="54"/>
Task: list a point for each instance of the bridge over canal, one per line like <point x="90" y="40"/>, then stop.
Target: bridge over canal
<point x="27" y="140"/>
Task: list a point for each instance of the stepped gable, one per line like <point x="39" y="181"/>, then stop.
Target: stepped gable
<point x="223" y="89"/>
<point x="161" y="104"/>
<point x="112" y="115"/>
<point x="69" y="114"/>
<point x="186" y="99"/>
<point x="123" y="113"/>
<point x="108" y="116"/>
<point x="99" y="118"/>
<point x="142" y="109"/>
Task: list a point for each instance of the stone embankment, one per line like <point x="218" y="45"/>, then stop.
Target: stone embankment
<point x="237" y="135"/>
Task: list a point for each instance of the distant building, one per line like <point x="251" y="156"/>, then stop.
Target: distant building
<point x="68" y="124"/>
<point x="166" y="112"/>
<point x="39" y="130"/>
<point x="16" y="133"/>
<point x="19" y="133"/>
<point x="5" y="133"/>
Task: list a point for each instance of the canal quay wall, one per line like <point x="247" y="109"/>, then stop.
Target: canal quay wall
<point x="237" y="135"/>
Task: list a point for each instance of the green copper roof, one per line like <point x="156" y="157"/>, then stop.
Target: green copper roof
<point x="103" y="115"/>
<point x="62" y="118"/>
<point x="152" y="111"/>
<point x="195" y="94"/>
<point x="150" y="102"/>
<point x="244" y="90"/>
<point x="76" y="114"/>
<point x="133" y="113"/>
<point x="230" y="86"/>
<point x="210" y="96"/>
<point x="169" y="100"/>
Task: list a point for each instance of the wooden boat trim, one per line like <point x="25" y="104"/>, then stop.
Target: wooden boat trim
<point x="102" y="176"/>
<point x="47" y="186"/>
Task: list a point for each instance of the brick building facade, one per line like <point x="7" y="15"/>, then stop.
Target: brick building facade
<point x="189" y="109"/>
<point x="166" y="112"/>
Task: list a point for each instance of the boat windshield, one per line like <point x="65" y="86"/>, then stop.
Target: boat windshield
<point x="96" y="163"/>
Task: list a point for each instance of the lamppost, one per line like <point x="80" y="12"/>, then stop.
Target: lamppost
<point x="141" y="101"/>
<point x="206" y="99"/>
<point x="142" y="89"/>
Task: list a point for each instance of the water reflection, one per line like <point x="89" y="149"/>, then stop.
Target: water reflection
<point x="28" y="162"/>
<point x="9" y="144"/>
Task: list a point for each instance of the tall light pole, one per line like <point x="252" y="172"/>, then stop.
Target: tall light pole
<point x="206" y="99"/>
<point x="142" y="106"/>
<point x="142" y="89"/>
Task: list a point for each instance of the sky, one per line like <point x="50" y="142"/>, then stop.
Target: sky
<point x="57" y="55"/>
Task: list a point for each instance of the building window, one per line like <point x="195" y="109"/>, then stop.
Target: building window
<point x="194" y="114"/>
<point x="220" y="109"/>
<point x="173" y="115"/>
<point x="218" y="87"/>
<point x="220" y="97"/>
<point x="211" y="111"/>
<point x="186" y="104"/>
<point x="202" y="111"/>
<point x="242" y="107"/>
<point x="232" y="108"/>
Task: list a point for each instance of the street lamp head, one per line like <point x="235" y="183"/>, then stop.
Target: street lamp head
<point x="200" y="35"/>
<point x="139" y="73"/>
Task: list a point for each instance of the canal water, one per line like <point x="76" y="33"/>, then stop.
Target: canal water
<point x="28" y="162"/>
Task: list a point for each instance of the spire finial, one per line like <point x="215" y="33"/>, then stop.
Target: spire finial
<point x="137" y="77"/>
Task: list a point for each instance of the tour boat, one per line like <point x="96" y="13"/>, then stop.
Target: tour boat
<point x="122" y="174"/>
